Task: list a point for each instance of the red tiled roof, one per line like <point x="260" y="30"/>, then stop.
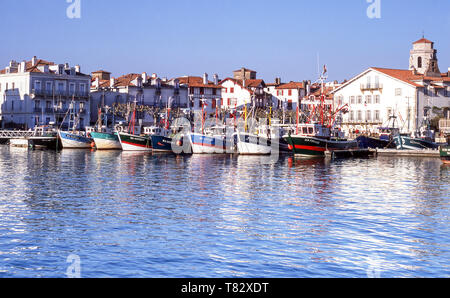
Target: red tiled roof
<point x="193" y="81"/>
<point x="291" y="85"/>
<point x="423" y="40"/>
<point x="126" y="80"/>
<point x="409" y="77"/>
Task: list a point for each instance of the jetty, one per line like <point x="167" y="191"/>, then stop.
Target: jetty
<point x="29" y="138"/>
<point x="408" y="153"/>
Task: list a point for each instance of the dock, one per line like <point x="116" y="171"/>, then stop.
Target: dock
<point x="29" y="138"/>
<point x="350" y="153"/>
<point x="408" y="153"/>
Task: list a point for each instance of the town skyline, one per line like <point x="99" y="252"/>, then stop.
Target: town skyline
<point x="133" y="40"/>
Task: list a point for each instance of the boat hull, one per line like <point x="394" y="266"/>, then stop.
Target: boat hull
<point x="316" y="147"/>
<point x="248" y="144"/>
<point x="202" y="144"/>
<point x="106" y="141"/>
<point x="366" y="142"/>
<point x="74" y="141"/>
<point x="161" y="143"/>
<point x="131" y="142"/>
<point x="445" y="154"/>
<point x="408" y="143"/>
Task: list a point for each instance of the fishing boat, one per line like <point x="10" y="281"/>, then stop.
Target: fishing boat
<point x="132" y="140"/>
<point x="252" y="144"/>
<point x="314" y="139"/>
<point x="445" y="154"/>
<point x="106" y="140"/>
<point x="74" y="140"/>
<point x="160" y="138"/>
<point x="210" y="142"/>
<point x="407" y="142"/>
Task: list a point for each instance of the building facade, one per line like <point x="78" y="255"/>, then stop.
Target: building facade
<point x="412" y="96"/>
<point x="38" y="92"/>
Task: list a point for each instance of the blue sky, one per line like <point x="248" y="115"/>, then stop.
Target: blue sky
<point x="189" y="37"/>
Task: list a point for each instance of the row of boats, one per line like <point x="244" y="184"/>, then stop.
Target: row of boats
<point x="303" y="139"/>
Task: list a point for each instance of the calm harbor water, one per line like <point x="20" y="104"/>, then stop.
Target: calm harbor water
<point x="138" y="215"/>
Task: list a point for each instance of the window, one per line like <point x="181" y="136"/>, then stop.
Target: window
<point x="49" y="87"/>
<point x="290" y="92"/>
<point x="71" y="88"/>
<point x="224" y="90"/>
<point x="359" y="117"/>
<point x="425" y="91"/>
<point x="13" y="86"/>
<point x="231" y="90"/>
<point x="289" y="104"/>
<point x="352" y="116"/>
<point x="37" y="85"/>
<point x="419" y="62"/>
<point x="229" y="102"/>
<point x="389" y="112"/>
<point x="214" y="90"/>
<point x="377" y="99"/>
<point x="352" y="100"/>
<point x="368" y="115"/>
<point x="368" y="99"/>
<point x="213" y="104"/>
<point x="82" y="89"/>
<point x="446" y="93"/>
<point x="0" y="87"/>
<point x="398" y="91"/>
<point x="377" y="115"/>
<point x="359" y="99"/>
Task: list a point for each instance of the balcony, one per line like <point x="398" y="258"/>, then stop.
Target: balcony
<point x="42" y="93"/>
<point x="371" y="87"/>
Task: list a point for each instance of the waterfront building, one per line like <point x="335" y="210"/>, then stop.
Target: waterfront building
<point x="149" y="91"/>
<point x="201" y="91"/>
<point x="412" y="95"/>
<point x="289" y="95"/>
<point x="244" y="89"/>
<point x="39" y="92"/>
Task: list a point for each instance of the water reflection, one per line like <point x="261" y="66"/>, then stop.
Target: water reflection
<point x="137" y="214"/>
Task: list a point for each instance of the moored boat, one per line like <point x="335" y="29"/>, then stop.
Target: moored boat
<point x="445" y="154"/>
<point x="207" y="144"/>
<point x="374" y="142"/>
<point x="406" y="142"/>
<point x="132" y="142"/>
<point x="316" y="141"/>
<point x="106" y="141"/>
<point x="71" y="140"/>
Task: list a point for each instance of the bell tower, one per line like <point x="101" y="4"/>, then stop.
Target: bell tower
<point x="423" y="58"/>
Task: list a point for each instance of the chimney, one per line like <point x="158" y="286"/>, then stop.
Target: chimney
<point x="34" y="61"/>
<point x="96" y="83"/>
<point x="205" y="78"/>
<point x="112" y="81"/>
<point x="77" y="69"/>
<point x="72" y="71"/>
<point x="154" y="75"/>
<point x="23" y="66"/>
<point x="278" y="81"/>
<point x="448" y="72"/>
<point x="144" y="78"/>
<point x="216" y="79"/>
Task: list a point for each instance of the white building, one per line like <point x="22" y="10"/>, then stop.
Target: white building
<point x="379" y="93"/>
<point x="39" y="92"/>
<point x="202" y="93"/>
<point x="145" y="90"/>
